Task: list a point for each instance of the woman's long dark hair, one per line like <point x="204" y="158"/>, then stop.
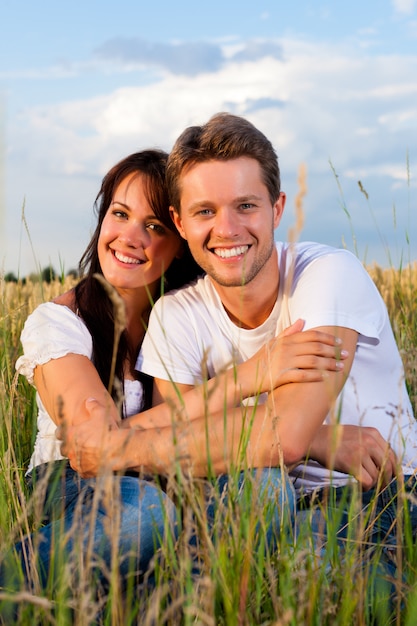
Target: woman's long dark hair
<point x="94" y="305"/>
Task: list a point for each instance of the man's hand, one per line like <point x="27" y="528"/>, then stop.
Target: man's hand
<point x="94" y="443"/>
<point x="293" y="357"/>
<point x="357" y="450"/>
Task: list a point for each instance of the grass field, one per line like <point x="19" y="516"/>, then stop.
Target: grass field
<point x="239" y="582"/>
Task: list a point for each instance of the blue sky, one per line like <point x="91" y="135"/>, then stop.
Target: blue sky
<point x="84" y="83"/>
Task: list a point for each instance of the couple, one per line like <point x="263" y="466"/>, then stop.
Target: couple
<point x="328" y="403"/>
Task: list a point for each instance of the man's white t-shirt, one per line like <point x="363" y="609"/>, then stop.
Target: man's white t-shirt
<point x="191" y="339"/>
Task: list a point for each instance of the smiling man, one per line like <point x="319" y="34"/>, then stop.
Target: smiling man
<point x="355" y="426"/>
<point x="224" y="184"/>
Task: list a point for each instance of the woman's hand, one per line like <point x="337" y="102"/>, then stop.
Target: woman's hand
<point x="292" y="357"/>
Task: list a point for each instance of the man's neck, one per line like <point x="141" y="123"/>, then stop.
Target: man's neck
<point x="248" y="306"/>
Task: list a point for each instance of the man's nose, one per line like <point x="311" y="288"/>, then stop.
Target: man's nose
<point x="225" y="223"/>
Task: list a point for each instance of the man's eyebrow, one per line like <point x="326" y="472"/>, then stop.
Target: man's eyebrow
<point x="245" y="198"/>
<point x="210" y="204"/>
<point x="198" y="204"/>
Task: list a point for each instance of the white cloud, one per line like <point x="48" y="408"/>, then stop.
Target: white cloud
<point x="405" y="7"/>
<point x="394" y="172"/>
<point x="187" y="58"/>
<point x="316" y="103"/>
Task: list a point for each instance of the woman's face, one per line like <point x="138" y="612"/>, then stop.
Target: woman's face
<point x="134" y="247"/>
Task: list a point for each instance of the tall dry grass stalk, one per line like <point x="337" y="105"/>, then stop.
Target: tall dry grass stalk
<point x="398" y="288"/>
<point x="295" y="231"/>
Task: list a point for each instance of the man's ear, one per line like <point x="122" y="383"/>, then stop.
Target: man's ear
<point x="176" y="218"/>
<point x="279" y="208"/>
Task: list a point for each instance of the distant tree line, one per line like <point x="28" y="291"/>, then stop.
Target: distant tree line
<point x="47" y="275"/>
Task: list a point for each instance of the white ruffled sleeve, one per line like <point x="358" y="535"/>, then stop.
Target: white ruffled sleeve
<point x="51" y="332"/>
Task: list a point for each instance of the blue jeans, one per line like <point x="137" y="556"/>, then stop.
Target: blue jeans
<point x="267" y="492"/>
<point x="83" y="518"/>
<point x="373" y="523"/>
<point x="94" y="524"/>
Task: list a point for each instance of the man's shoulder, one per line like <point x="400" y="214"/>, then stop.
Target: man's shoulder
<point x="199" y="289"/>
<point x="196" y="295"/>
<point x="299" y="256"/>
<point x="312" y="250"/>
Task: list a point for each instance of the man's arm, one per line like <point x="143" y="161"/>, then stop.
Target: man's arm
<point x="254" y="437"/>
<point x="279" y="432"/>
<point x="243" y="436"/>
<point x="293" y="356"/>
<point x="359" y="451"/>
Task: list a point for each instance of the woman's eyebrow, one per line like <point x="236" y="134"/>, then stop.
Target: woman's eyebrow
<point x="120" y="203"/>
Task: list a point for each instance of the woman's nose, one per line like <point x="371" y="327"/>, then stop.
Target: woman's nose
<point x="135" y="236"/>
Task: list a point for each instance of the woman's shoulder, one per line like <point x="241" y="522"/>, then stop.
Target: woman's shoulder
<point x="67" y="299"/>
<point x="51" y="331"/>
<point x="58" y="316"/>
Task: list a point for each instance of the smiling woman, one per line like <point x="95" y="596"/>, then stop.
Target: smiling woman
<point x="133" y="239"/>
<point x="68" y="356"/>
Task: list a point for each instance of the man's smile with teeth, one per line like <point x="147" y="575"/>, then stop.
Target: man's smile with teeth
<point x="226" y="253"/>
<point x="126" y="259"/>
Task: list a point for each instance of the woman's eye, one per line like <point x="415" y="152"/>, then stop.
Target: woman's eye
<point x="157" y="228"/>
<point x="120" y="214"/>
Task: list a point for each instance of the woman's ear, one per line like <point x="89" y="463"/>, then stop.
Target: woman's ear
<point x="176" y="218"/>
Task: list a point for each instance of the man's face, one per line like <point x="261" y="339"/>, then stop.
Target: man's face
<point x="228" y="219"/>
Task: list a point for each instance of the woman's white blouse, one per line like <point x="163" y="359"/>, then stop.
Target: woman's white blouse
<point x="51" y="332"/>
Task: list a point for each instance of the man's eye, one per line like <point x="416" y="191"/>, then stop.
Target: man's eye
<point x="246" y="205"/>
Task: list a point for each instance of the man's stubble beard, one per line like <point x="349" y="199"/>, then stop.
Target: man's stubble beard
<point x="257" y="266"/>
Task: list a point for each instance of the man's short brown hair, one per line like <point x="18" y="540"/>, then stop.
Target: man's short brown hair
<point x="223" y="137"/>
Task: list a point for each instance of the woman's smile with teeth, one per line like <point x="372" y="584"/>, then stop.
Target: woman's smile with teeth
<point x="226" y="253"/>
<point x="126" y="259"/>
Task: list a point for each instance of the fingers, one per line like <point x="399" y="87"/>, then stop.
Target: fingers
<point x="378" y="463"/>
<point x="66" y="434"/>
<point x="301" y="375"/>
<point x="315" y="348"/>
<point x="388" y="466"/>
<point x="100" y="410"/>
<point x="86" y="444"/>
<point x="310" y="336"/>
<point x="321" y="363"/>
<point x="358" y="450"/>
<point x="304" y="368"/>
<point x="312" y="342"/>
<point x="294" y="328"/>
